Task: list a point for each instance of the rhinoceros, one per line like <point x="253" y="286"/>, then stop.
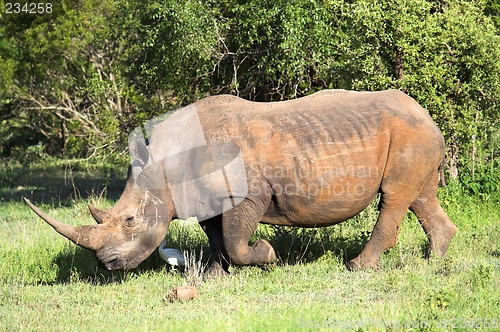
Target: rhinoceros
<point x="314" y="161"/>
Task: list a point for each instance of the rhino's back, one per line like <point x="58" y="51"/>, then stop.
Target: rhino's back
<point x="325" y="124"/>
<point x="338" y="113"/>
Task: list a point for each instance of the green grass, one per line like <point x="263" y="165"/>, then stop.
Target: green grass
<point x="47" y="283"/>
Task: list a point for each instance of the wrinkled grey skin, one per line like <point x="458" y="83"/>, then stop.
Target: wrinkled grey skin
<point x="311" y="162"/>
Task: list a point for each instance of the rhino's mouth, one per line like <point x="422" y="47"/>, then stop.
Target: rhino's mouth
<point x="112" y="263"/>
<point x="110" y="260"/>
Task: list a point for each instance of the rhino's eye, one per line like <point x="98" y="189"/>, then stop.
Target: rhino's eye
<point x="129" y="219"/>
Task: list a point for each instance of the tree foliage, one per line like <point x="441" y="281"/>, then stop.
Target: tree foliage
<point x="492" y="9"/>
<point x="62" y="89"/>
<point x="78" y="80"/>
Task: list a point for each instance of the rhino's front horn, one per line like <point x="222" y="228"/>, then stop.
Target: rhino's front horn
<point x="98" y="214"/>
<point x="83" y="236"/>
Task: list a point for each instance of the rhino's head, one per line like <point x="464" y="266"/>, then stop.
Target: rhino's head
<point x="168" y="178"/>
<point x="126" y="234"/>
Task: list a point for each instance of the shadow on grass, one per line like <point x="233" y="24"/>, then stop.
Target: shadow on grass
<point x="58" y="182"/>
<point x="78" y="264"/>
<point x="292" y="245"/>
<point x="495" y="253"/>
<point x="299" y="245"/>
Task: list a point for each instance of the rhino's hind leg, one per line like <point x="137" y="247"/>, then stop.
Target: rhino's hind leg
<point x="219" y="261"/>
<point x="384" y="235"/>
<point x="436" y="223"/>
<point x="238" y="225"/>
<point x="395" y="200"/>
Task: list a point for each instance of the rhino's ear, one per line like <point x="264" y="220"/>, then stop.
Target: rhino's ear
<point x="139" y="150"/>
<point x="98" y="214"/>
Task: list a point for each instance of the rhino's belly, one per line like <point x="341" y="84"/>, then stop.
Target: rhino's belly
<point x="319" y="206"/>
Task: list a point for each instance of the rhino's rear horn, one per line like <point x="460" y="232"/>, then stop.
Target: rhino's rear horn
<point x="98" y="214"/>
<point x="84" y="236"/>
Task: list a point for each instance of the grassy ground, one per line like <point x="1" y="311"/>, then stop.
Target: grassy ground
<point x="47" y="283"/>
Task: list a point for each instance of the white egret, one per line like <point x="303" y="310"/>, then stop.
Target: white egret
<point x="174" y="257"/>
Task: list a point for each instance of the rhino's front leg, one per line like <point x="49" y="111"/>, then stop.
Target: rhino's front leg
<point x="238" y="225"/>
<point x="219" y="261"/>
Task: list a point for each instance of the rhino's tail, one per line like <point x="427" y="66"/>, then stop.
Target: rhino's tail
<point x="442" y="181"/>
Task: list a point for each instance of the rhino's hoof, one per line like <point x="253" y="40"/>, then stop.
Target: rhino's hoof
<point x="268" y="266"/>
<point x="215" y="272"/>
<point x="354" y="265"/>
<point x="265" y="253"/>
